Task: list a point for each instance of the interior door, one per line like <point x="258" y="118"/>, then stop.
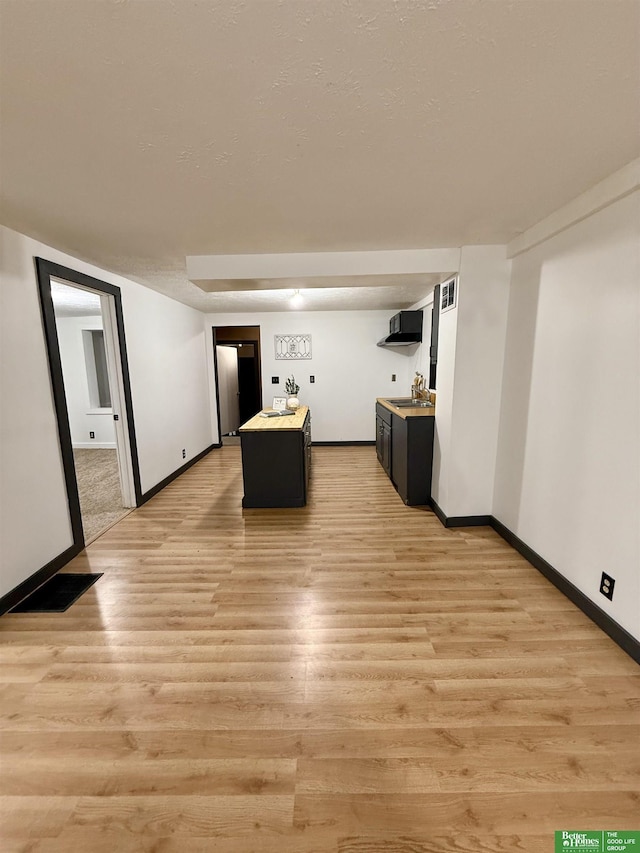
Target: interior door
<point x="228" y="389"/>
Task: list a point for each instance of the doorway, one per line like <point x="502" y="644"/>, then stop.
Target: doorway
<point x="236" y="358"/>
<point x="90" y="383"/>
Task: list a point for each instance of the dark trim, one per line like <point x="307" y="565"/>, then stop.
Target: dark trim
<point x="232" y="340"/>
<point x="160" y="486"/>
<point x="45" y="271"/>
<point x="460" y="520"/>
<point x="38" y="578"/>
<point x="468" y="521"/>
<point x="215" y="379"/>
<point x="442" y="518"/>
<point x="343" y="444"/>
<point x="617" y="633"/>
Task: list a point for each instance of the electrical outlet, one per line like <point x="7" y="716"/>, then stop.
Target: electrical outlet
<point x="275" y="380"/>
<point x="92" y="435"/>
<point x="607" y="584"/>
<point x="184" y="453"/>
<point x="312" y="379"/>
<point x="393" y="377"/>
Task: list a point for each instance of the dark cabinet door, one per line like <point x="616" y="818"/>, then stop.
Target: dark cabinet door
<point x="383" y="437"/>
<point x="306" y="430"/>
<point x="411" y="458"/>
<point x="379" y="438"/>
<point x="386" y="448"/>
<point x="399" y="455"/>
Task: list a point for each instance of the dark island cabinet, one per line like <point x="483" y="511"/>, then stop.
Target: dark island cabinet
<point x="276" y="464"/>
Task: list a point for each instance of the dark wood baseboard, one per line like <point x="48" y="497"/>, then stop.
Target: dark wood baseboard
<point x="468" y="521"/>
<point x="160" y="486"/>
<point x="438" y="512"/>
<point x="618" y="634"/>
<point x="38" y="578"/>
<point x="460" y="520"/>
<point x="343" y="444"/>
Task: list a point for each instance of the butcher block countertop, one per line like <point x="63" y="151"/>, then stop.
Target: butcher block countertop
<point x="410" y="412"/>
<point x="288" y="422"/>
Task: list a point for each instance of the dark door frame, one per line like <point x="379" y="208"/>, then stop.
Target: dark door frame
<point x="231" y="341"/>
<point x="45" y="271"/>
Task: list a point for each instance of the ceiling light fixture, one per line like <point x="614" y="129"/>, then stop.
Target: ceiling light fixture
<point x="296" y="299"/>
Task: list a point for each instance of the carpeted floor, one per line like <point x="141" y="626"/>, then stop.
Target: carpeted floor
<point x="99" y="488"/>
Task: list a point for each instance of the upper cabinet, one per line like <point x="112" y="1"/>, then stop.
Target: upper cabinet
<point x="405" y="328"/>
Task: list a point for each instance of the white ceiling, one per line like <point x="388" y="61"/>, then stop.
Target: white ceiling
<point x="137" y="133"/>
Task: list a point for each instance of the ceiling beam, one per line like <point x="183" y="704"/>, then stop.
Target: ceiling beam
<point x="207" y="268"/>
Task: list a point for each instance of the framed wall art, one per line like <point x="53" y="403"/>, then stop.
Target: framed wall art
<point x="292" y="347"/>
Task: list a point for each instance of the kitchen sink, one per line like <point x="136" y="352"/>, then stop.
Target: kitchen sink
<point x="407" y="403"/>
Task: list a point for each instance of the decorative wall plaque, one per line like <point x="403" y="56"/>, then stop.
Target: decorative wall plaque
<point x="293" y="347"/>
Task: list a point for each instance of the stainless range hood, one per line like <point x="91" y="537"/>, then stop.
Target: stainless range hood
<point x="405" y="328"/>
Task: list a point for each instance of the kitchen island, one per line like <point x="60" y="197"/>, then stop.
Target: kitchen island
<point x="276" y="459"/>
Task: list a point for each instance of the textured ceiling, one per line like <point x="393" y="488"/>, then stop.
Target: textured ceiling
<point x="137" y="133"/>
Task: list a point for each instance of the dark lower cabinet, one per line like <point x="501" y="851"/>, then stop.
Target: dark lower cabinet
<point x="276" y="465"/>
<point x="383" y="437"/>
<point x="412" y="458"/>
<point x="405" y="450"/>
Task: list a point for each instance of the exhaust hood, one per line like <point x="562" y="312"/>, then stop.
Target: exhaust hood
<point x="405" y="328"/>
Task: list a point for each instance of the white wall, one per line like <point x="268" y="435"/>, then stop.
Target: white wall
<point x="82" y="418"/>
<point x="350" y="370"/>
<point x="445" y="385"/>
<point x="568" y="467"/>
<point x="482" y="309"/>
<point x="168" y="351"/>
<point x="167" y="362"/>
<point x="470" y="363"/>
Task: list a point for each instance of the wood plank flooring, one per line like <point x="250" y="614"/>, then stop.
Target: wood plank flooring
<point x="348" y="677"/>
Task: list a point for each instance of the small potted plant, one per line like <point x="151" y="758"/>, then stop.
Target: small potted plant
<point x="292" y="393"/>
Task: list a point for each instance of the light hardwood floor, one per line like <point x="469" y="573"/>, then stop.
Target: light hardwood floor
<point x="348" y="677"/>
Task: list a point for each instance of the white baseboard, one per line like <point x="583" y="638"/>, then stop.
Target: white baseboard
<point x="97" y="445"/>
